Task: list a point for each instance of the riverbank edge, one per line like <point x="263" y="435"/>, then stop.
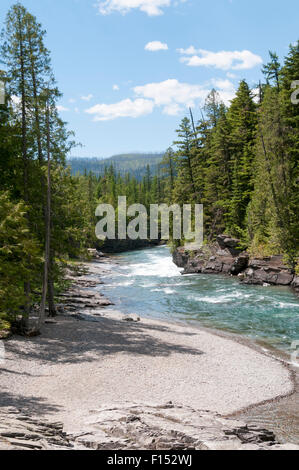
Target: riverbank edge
<point x="226" y="258"/>
<point x="263" y="349"/>
<point x="108" y="264"/>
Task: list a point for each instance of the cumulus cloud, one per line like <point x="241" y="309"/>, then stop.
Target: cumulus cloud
<point x="87" y="98"/>
<point x="150" y="7"/>
<point x="172" y="96"/>
<point x="125" y="108"/>
<point x="115" y="88"/>
<point x="225" y="60"/>
<point x="156" y="46"/>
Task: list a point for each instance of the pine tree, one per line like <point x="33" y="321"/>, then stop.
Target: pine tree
<point x="218" y="177"/>
<point x="242" y="119"/>
<point x="16" y="246"/>
<point x="272" y="69"/>
<point x="185" y="190"/>
<point x="273" y="223"/>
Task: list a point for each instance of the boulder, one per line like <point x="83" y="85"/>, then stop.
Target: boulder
<point x="213" y="267"/>
<point x="180" y="257"/>
<point x="240" y="264"/>
<point x="295" y="284"/>
<point x="228" y="243"/>
<point x="131" y="318"/>
<point x="268" y="270"/>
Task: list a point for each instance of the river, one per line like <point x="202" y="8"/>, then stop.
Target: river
<point x="146" y="282"/>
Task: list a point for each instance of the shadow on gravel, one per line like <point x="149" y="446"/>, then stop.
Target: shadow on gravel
<point x="33" y="405"/>
<point x="83" y="341"/>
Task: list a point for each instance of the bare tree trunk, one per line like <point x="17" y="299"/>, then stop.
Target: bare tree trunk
<point x="27" y="288"/>
<point x="45" y="204"/>
<point x="48" y="225"/>
<point x="51" y="301"/>
<point x="50" y="251"/>
<point x="192" y="120"/>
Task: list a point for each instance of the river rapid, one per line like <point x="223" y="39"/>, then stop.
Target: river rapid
<point x="146" y="282"/>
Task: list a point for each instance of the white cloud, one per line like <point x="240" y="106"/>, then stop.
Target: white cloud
<point x="62" y="108"/>
<point x="72" y="100"/>
<point x="231" y="75"/>
<point x="156" y="46"/>
<point x="225" y="60"/>
<point x="87" y="98"/>
<point x="222" y="84"/>
<point x="115" y="88"/>
<point x="150" y="7"/>
<point x="126" y="108"/>
<point x="172" y="96"/>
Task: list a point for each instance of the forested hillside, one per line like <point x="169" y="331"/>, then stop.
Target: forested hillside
<point x="133" y="163"/>
<point x="241" y="162"/>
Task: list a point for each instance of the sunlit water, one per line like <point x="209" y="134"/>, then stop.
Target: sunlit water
<point x="148" y="283"/>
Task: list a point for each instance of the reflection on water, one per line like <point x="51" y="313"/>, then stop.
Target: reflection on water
<point x="147" y="283"/>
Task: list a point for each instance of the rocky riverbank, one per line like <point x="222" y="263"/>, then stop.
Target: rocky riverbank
<point x="225" y="257"/>
<point x="98" y="379"/>
<point x="137" y="427"/>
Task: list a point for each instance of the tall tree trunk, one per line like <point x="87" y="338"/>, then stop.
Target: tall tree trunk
<point x="51" y="301"/>
<point x="50" y="251"/>
<point x="45" y="204"/>
<point x="27" y="288"/>
<point x="47" y="225"/>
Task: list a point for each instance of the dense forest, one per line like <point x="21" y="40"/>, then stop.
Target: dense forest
<point x="133" y="163"/>
<point x="241" y="162"/>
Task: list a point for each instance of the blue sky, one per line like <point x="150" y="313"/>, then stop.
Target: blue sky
<point x="128" y="68"/>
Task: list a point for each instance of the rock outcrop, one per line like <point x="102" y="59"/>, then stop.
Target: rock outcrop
<point x="137" y="427"/>
<point x="295" y="284"/>
<point x="226" y="257"/>
<point x="270" y="270"/>
<point x="171" y="427"/>
<point x="20" y="431"/>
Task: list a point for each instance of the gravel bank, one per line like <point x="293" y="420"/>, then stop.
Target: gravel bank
<point x="78" y="366"/>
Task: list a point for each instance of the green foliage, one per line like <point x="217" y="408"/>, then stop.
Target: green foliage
<point x="17" y="246"/>
<point x="241" y="162"/>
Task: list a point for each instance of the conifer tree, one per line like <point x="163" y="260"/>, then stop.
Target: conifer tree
<point x="242" y="119"/>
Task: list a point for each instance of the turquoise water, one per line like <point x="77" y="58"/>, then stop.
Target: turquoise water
<point x="147" y="283"/>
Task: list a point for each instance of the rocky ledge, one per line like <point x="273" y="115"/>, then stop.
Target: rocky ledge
<point x="20" y="431"/>
<point x="139" y="427"/>
<point x="225" y="257"/>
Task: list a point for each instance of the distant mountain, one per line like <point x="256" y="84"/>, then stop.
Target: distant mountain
<point x="134" y="163"/>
